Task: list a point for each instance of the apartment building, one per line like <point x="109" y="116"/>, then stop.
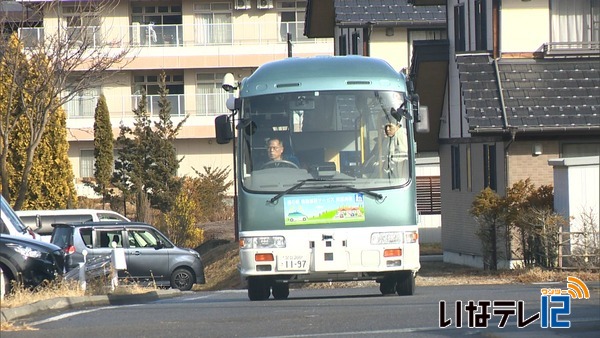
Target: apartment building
<point x="521" y="88"/>
<point x="195" y="42"/>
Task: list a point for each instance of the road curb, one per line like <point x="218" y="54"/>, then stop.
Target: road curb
<point x="10" y="314"/>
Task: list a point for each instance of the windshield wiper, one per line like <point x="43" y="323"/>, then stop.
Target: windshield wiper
<point x="298" y="185"/>
<point x="377" y="196"/>
<point x="289" y="190"/>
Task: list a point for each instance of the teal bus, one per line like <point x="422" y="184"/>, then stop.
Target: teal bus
<point x="325" y="174"/>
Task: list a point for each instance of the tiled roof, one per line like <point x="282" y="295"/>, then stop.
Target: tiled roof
<point x="538" y="95"/>
<point x="396" y="12"/>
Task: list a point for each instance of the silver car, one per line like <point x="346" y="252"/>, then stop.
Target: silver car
<point x="150" y="256"/>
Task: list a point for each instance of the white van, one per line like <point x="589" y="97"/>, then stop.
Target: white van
<point x="11" y="224"/>
<point x="45" y="218"/>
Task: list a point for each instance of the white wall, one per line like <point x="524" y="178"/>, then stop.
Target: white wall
<point x="576" y="190"/>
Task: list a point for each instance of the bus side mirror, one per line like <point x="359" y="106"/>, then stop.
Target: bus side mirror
<point x="422" y="120"/>
<point x="223" y="130"/>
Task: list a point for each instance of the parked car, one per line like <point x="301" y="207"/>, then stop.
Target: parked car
<point x="150" y="256"/>
<point x="42" y="220"/>
<point x="11" y="224"/>
<point x="28" y="261"/>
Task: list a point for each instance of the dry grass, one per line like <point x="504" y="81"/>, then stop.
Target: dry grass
<point x="20" y="296"/>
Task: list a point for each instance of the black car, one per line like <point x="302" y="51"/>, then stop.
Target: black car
<point x="151" y="258"/>
<point x="29" y="261"/>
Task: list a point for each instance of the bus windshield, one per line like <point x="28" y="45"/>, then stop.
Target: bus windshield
<point x="358" y="139"/>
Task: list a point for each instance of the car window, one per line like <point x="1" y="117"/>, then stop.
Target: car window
<point x="9" y="213"/>
<point x="110" y="217"/>
<point x="61" y="236"/>
<point x="86" y="236"/>
<point x="141" y="238"/>
<point x="104" y="238"/>
<point x="3" y="228"/>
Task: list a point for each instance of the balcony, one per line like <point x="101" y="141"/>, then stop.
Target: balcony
<point x="138" y="35"/>
<point x="213" y="104"/>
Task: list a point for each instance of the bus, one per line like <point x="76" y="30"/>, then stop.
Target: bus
<point x="324" y="166"/>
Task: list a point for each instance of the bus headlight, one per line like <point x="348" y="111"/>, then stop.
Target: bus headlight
<point x="262" y="242"/>
<point x="386" y="238"/>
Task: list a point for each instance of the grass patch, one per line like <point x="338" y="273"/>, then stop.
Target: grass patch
<point x="430" y="248"/>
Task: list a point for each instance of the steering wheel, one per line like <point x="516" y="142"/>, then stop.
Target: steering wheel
<point x="279" y="163"/>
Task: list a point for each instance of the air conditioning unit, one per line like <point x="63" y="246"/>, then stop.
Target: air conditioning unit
<point x="264" y="4"/>
<point x="242" y="4"/>
<point x="135" y="34"/>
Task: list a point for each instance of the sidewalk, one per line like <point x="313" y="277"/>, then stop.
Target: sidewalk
<point x="63" y="303"/>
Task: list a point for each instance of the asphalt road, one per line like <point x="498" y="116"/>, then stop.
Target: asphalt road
<point x="349" y="312"/>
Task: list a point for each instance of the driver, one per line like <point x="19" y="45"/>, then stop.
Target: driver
<point x="275" y="151"/>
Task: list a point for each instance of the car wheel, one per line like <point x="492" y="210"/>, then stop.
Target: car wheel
<point x="406" y="284"/>
<point x="387" y="286"/>
<point x="182" y="279"/>
<point x="258" y="288"/>
<point x="281" y="290"/>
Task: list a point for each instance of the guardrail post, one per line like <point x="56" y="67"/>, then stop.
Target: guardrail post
<point x="82" y="267"/>
<point x="118" y="263"/>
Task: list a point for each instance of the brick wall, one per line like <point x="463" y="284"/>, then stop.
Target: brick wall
<point x="522" y="164"/>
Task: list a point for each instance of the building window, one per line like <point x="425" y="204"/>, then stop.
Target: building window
<point x="455" y="158"/>
<point x="575" y="21"/>
<point x="429" y="195"/>
<point x="212" y="23"/>
<point x="155" y="23"/>
<point x="158" y="14"/>
<point x="83" y="24"/>
<point x="83" y="103"/>
<point x="480" y="25"/>
<point x="291" y="19"/>
<point x="86" y="163"/>
<point x="149" y="84"/>
<point x="580" y="150"/>
<point x="460" y="42"/>
<point x="489" y="166"/>
<point x="210" y="97"/>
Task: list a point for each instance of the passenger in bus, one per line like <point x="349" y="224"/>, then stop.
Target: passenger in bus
<point x="277" y="155"/>
<point x="396" y="149"/>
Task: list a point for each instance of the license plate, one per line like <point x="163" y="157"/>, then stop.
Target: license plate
<point x="287" y="263"/>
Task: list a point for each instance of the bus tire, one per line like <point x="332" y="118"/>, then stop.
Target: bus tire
<point x="258" y="288"/>
<point x="387" y="285"/>
<point x="281" y="290"/>
<point x="405" y="284"/>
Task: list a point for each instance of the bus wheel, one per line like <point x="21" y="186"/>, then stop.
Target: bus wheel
<point x="258" y="288"/>
<point x="387" y="285"/>
<point x="405" y="285"/>
<point x="281" y="290"/>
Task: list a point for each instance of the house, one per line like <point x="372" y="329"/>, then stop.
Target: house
<point x="522" y="88"/>
<point x="389" y="29"/>
<point x="195" y="42"/>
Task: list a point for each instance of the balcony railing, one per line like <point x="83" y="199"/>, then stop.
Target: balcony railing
<point x="197" y="105"/>
<point x="138" y="35"/>
<point x="572" y="48"/>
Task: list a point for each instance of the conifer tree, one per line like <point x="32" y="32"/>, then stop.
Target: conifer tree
<point x="147" y="164"/>
<point x="51" y="180"/>
<point x="103" y="149"/>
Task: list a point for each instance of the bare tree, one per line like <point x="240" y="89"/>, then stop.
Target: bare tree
<point x="78" y="50"/>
